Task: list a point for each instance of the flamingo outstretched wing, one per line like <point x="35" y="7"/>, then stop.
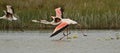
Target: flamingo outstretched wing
<point x="59" y="28"/>
<point x="10" y="9"/>
<point x="58" y="12"/>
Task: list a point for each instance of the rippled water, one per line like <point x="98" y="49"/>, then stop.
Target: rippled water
<point x="97" y="41"/>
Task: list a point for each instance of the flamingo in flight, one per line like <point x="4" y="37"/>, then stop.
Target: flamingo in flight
<point x="9" y="14"/>
<point x="62" y="23"/>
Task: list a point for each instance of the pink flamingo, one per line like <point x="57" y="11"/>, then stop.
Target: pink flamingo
<point x="61" y="23"/>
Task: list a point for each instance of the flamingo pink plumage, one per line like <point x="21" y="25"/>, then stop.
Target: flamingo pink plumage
<point x="58" y="20"/>
<point x="63" y="23"/>
<point x="58" y="12"/>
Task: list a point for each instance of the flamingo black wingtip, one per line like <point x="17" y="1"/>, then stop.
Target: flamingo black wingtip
<point x="51" y="36"/>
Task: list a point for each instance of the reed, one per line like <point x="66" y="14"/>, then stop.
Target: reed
<point x="91" y="14"/>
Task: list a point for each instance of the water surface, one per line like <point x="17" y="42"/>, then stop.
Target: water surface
<point x="97" y="41"/>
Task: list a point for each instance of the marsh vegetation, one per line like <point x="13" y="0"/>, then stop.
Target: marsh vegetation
<point x="91" y="14"/>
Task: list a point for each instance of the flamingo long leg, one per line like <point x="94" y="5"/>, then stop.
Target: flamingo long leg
<point x="81" y="30"/>
<point x="67" y="33"/>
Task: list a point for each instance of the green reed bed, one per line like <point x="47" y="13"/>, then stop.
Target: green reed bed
<point x="91" y="14"/>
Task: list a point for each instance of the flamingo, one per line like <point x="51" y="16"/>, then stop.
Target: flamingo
<point x="62" y="23"/>
<point x="9" y="15"/>
<point x="56" y="19"/>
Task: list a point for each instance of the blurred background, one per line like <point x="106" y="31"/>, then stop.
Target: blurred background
<point x="90" y="14"/>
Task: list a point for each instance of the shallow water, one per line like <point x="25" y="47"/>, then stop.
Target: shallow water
<point x="97" y="41"/>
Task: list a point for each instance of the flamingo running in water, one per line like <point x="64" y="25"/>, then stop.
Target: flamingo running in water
<point x="61" y="23"/>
